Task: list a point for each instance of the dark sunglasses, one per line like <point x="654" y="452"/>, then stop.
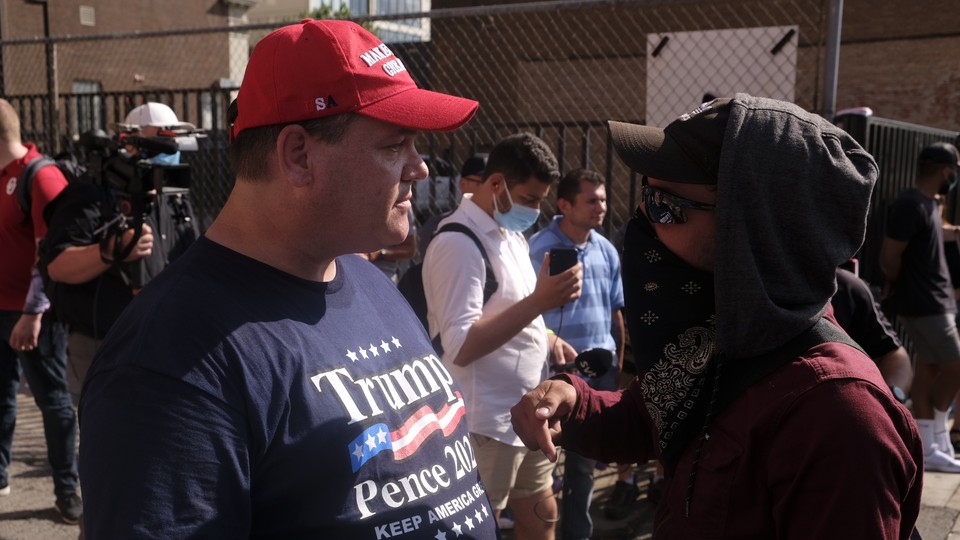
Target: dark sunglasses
<point x="663" y="207"/>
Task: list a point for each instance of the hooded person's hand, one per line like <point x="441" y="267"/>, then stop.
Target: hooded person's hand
<point x="536" y="417"/>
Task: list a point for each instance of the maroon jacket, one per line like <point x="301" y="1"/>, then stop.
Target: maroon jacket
<point x="763" y="473"/>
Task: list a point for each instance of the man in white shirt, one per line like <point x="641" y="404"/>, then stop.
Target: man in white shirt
<point x="499" y="349"/>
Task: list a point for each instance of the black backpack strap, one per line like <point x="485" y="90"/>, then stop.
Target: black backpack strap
<point x="25" y="183"/>
<point x="741" y="373"/>
<point x="490" y="284"/>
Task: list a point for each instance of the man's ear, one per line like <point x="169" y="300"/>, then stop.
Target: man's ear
<point x="293" y="154"/>
<point x="497" y="182"/>
<point x="563" y="206"/>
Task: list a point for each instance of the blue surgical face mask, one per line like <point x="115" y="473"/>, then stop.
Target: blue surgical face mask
<point x="518" y="218"/>
<point x="165" y="159"/>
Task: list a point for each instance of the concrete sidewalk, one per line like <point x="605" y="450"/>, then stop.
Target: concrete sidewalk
<point x="28" y="514"/>
<point x="939" y="514"/>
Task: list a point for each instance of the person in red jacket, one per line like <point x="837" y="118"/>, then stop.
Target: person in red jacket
<point x="769" y="420"/>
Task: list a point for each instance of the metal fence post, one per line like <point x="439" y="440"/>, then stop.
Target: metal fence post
<point x="832" y="62"/>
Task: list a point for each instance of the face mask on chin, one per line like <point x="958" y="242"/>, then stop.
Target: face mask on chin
<point x="518" y="218"/>
<point x="165" y="159"/>
<point x="948" y="185"/>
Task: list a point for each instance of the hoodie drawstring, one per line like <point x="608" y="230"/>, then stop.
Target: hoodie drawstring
<point x="704" y="435"/>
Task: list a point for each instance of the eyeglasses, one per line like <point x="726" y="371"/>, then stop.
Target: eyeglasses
<point x="662" y="207"/>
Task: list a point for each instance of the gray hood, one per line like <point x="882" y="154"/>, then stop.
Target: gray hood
<point x="785" y="221"/>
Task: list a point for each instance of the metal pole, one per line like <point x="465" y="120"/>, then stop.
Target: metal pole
<point x="832" y="61"/>
<point x="53" y="117"/>
<point x="3" y="36"/>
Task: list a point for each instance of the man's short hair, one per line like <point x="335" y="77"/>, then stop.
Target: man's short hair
<point x="520" y="156"/>
<point x="250" y="151"/>
<point x="935" y="156"/>
<point x="9" y="123"/>
<point x="569" y="185"/>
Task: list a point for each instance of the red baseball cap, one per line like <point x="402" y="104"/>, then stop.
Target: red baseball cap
<point x="322" y="68"/>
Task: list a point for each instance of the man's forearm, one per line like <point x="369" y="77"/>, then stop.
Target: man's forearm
<point x="891" y="258"/>
<point x="895" y="368"/>
<point x="77" y="264"/>
<point x="617" y="331"/>
<point x="490" y="333"/>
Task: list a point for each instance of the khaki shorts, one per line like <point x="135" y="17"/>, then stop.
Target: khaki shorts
<point x="510" y="471"/>
<point x="934" y="337"/>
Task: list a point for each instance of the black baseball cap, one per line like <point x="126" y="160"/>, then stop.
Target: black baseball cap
<point x="940" y="152"/>
<point x="474" y="166"/>
<point x="686" y="151"/>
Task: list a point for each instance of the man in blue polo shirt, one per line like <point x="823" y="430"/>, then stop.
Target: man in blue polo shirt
<point x="593" y="321"/>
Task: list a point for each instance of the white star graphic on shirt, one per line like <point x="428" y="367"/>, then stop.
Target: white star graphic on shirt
<point x="469" y="523"/>
<point x="385" y="346"/>
<point x="382" y="436"/>
<point x="371" y="442"/>
<point x="396" y="342"/>
<point x="441" y="535"/>
<point x="351" y="355"/>
<point x="484" y="508"/>
<point x="373" y="350"/>
<point x="457" y="528"/>
<point x="358" y="451"/>
<point x="363" y="352"/>
<point x="478" y="516"/>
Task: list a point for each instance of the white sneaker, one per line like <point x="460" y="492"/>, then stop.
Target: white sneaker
<point x="5" y="490"/>
<point x="939" y="461"/>
<point x="943" y="442"/>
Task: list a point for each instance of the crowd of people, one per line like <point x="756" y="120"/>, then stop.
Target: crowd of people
<point x="265" y="379"/>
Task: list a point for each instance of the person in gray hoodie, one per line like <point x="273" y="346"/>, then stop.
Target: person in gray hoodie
<point x="769" y="420"/>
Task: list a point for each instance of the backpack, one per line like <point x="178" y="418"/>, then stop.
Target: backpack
<point x="72" y="170"/>
<point x="411" y="284"/>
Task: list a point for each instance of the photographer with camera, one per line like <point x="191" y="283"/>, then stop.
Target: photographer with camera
<point x="109" y="236"/>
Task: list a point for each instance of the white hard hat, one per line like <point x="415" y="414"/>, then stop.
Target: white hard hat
<point x="152" y="114"/>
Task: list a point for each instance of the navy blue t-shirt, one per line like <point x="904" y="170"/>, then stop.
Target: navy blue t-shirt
<point x="234" y="400"/>
<point x="923" y="287"/>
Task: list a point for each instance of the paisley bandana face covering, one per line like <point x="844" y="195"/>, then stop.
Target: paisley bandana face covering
<point x="670" y="314"/>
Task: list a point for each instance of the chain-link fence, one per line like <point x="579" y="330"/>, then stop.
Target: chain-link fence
<point x="558" y="69"/>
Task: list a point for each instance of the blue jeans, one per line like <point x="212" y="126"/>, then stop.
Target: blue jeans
<point x="45" y="370"/>
<point x="578" y="480"/>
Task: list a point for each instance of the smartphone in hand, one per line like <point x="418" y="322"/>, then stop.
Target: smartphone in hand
<point x="562" y="259"/>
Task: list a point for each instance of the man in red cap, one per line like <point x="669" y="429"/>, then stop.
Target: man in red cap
<point x="769" y="420"/>
<point x="269" y="383"/>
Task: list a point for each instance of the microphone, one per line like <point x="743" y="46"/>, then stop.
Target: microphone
<point x="591" y="363"/>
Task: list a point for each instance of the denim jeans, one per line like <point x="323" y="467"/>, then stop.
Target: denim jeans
<point x="578" y="480"/>
<point x="45" y="370"/>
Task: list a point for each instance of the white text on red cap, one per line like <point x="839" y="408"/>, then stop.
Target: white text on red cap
<point x="381" y="52"/>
